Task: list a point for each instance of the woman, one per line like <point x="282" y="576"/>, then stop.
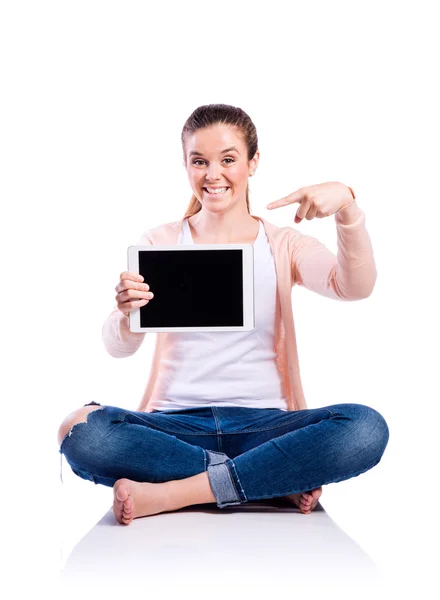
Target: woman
<point x="224" y="418"/>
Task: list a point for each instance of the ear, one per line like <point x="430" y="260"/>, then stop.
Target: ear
<point x="253" y="163"/>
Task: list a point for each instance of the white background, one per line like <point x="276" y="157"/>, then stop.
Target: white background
<point x="94" y="97"/>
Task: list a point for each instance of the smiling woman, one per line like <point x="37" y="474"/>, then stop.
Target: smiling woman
<point x="224" y="418"/>
<point x="220" y="153"/>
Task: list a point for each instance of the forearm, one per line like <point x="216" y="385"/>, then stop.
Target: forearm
<point x="356" y="265"/>
<point x="118" y="340"/>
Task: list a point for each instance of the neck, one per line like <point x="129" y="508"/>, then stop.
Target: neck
<point x="224" y="223"/>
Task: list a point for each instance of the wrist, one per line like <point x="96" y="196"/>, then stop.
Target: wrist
<point x="350" y="212"/>
<point x="353" y="198"/>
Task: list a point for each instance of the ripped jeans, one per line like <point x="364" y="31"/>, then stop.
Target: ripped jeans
<point x="249" y="453"/>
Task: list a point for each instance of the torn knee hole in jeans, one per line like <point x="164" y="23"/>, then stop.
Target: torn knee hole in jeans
<point x="69" y="433"/>
<point x="80" y="423"/>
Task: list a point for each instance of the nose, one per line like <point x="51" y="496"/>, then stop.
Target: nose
<point x="213" y="172"/>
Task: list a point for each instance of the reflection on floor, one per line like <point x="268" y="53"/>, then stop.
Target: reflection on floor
<point x="256" y="548"/>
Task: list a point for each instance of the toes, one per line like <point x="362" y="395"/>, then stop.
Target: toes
<point x="317" y="493"/>
<point x="121" y="490"/>
<point x="123" y="504"/>
<point x="122" y="518"/>
<point x="309" y="500"/>
<point x="313" y="495"/>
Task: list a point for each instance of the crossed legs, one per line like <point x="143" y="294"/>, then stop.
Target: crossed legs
<point x="133" y="499"/>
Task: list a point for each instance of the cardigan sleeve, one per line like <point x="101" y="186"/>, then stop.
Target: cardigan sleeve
<point x="351" y="275"/>
<point x="118" y="340"/>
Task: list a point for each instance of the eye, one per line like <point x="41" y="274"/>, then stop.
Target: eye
<point x="198" y="160"/>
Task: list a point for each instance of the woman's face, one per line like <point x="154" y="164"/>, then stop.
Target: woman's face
<point x="217" y="157"/>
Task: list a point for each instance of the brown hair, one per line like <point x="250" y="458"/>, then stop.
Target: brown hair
<point x="212" y="114"/>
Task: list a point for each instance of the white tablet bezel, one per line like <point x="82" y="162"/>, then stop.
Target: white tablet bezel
<point x="248" y="286"/>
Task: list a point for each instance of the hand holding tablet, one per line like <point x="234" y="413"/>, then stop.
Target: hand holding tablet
<point x="132" y="292"/>
<point x="197" y="287"/>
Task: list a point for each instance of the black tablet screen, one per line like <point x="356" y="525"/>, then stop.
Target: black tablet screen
<point x="193" y="288"/>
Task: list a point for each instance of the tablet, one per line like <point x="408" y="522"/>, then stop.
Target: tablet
<point x="197" y="287"/>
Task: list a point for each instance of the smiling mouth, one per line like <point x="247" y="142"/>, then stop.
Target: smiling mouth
<point x="225" y="188"/>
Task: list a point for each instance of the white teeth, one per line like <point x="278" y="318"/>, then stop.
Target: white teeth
<point x="217" y="191"/>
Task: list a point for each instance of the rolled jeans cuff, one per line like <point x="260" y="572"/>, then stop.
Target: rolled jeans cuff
<point x="224" y="480"/>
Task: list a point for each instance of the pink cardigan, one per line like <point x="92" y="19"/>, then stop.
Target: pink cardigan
<point x="299" y="259"/>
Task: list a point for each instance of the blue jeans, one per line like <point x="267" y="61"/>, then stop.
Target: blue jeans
<point x="249" y="453"/>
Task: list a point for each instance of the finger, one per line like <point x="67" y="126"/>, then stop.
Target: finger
<point x="302" y="211"/>
<point x="297" y="196"/>
<point x="311" y="213"/>
<point x="125" y="284"/>
<point x="129" y="275"/>
<point x="131" y="294"/>
<point x="126" y="307"/>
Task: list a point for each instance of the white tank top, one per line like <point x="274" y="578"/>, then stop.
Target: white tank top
<point x="225" y="368"/>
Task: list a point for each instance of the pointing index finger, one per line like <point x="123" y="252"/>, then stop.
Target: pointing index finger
<point x="297" y="196"/>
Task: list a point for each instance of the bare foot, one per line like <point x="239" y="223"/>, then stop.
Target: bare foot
<point x="133" y="499"/>
<point x="305" y="501"/>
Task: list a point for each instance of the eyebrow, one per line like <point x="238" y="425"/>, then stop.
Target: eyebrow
<point x="232" y="148"/>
